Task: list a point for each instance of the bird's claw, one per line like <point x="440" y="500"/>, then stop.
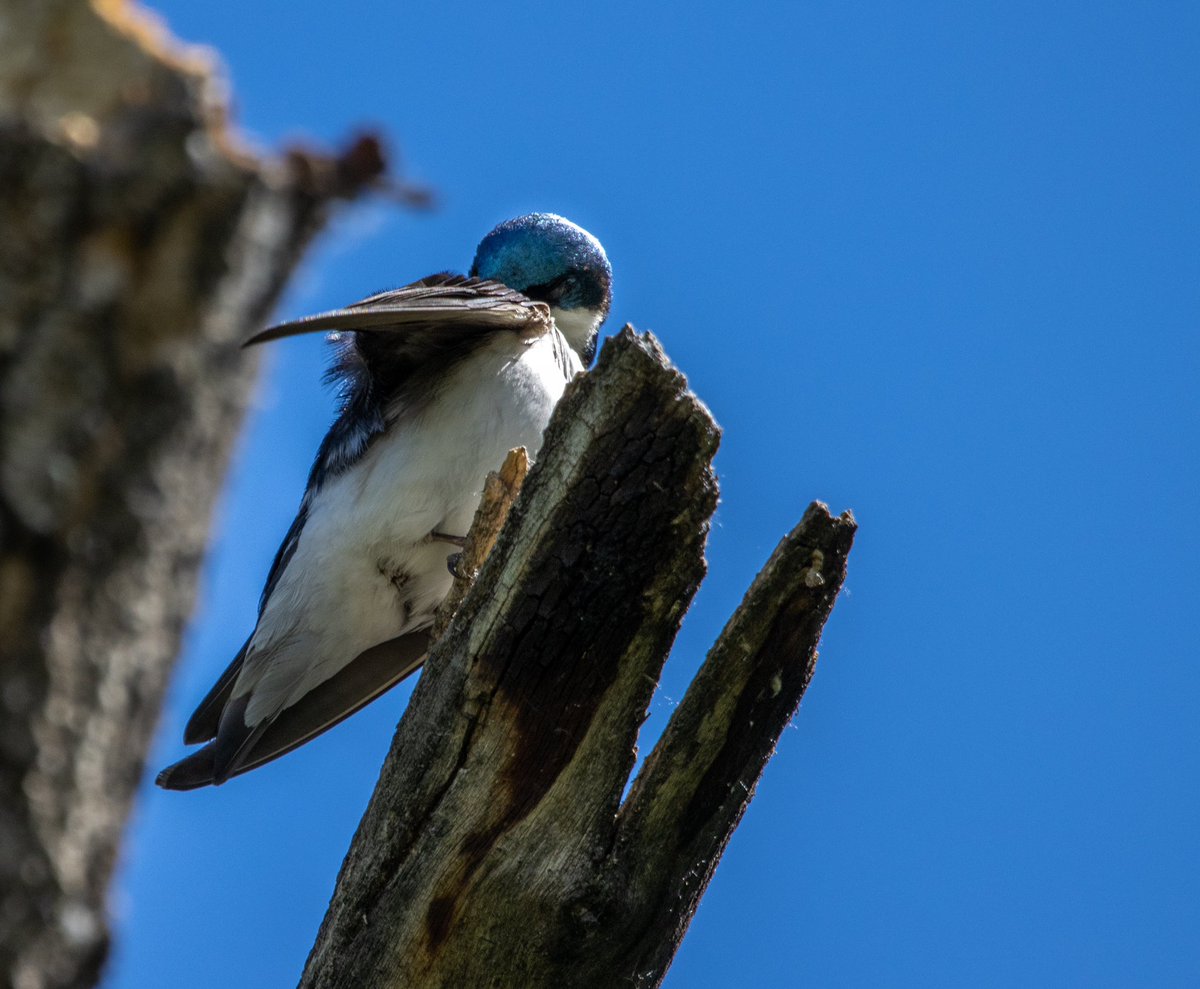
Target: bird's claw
<point x="454" y="565"/>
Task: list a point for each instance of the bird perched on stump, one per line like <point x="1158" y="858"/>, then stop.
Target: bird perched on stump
<point x="439" y="380"/>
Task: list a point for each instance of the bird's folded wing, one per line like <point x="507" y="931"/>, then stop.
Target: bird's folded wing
<point x="440" y="300"/>
<point x="205" y="720"/>
<point x="239" y="747"/>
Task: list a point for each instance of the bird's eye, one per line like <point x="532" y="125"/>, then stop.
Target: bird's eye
<point x="570" y="282"/>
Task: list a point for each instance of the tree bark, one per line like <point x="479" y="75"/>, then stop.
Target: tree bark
<point x="140" y="246"/>
<point x="497" y="849"/>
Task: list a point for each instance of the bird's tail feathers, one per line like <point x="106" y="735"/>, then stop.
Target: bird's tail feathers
<point x="239" y="747"/>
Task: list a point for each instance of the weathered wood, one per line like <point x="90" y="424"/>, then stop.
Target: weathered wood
<point x="496" y="850"/>
<point x="140" y="245"/>
<point x="700" y="777"/>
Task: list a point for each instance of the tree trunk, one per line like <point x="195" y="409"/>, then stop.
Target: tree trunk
<point x="139" y="247"/>
<point x="497" y="849"/>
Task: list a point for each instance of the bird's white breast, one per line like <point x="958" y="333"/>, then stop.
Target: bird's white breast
<point x="578" y="326"/>
<point x="365" y="569"/>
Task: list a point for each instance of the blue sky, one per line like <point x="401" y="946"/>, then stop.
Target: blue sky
<point x="934" y="262"/>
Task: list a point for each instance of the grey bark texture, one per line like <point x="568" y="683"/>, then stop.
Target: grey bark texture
<point x="497" y="850"/>
<point x="138" y="246"/>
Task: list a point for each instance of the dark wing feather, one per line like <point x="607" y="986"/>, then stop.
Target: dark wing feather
<point x="398" y="343"/>
<point x="438" y="303"/>
<point x="239" y="748"/>
<point x="203" y="723"/>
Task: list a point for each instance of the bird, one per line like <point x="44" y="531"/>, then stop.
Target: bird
<point x="438" y="380"/>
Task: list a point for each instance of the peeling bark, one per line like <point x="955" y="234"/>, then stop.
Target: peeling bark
<point x="140" y="245"/>
<point x="497" y="849"/>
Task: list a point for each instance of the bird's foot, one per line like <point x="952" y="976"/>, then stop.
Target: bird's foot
<point x="459" y="541"/>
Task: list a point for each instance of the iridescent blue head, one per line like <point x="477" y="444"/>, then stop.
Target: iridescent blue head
<point x="551" y="260"/>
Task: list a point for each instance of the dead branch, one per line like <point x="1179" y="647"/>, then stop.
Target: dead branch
<point x="496" y="850"/>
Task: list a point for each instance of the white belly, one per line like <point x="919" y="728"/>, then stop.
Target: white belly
<point x="365" y="569"/>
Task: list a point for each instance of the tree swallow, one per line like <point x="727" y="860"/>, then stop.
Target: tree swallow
<point x="439" y="379"/>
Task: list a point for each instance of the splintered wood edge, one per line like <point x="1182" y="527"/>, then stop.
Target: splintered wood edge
<point x="772" y="636"/>
<point x="500" y="491"/>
